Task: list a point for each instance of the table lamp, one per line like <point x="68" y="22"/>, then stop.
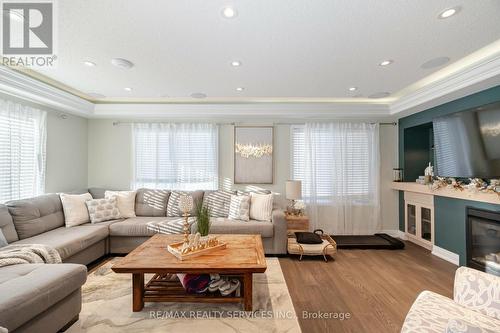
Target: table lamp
<point x="293" y="191"/>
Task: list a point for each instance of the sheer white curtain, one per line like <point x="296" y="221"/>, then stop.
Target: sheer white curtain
<point x="22" y="151"/>
<point x="175" y="156"/>
<point x="338" y="164"/>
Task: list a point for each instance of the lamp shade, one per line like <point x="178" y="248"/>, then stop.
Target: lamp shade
<point x="293" y="189"/>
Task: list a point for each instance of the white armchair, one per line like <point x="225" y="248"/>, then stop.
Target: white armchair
<point x="475" y="306"/>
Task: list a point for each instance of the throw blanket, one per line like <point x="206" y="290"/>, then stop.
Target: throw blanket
<point x="28" y="254"/>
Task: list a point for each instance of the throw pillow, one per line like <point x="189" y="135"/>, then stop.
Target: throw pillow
<point x="217" y="202"/>
<point x="125" y="202"/>
<point x="3" y="240"/>
<point x="239" y="207"/>
<point x="74" y="208"/>
<point x="261" y="206"/>
<point x="101" y="210"/>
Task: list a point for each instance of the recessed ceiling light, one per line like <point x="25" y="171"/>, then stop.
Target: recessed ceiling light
<point x="127" y="89"/>
<point x="240" y="89"/>
<point x="353" y="88"/>
<point x="89" y="63"/>
<point x="236" y="63"/>
<point x="436" y="62"/>
<point x="386" y="62"/>
<point x="122" y="63"/>
<point x="449" y="12"/>
<point x="381" y="94"/>
<point x="198" y="95"/>
<point x="229" y="12"/>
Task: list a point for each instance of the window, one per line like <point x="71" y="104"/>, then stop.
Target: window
<point x="22" y="151"/>
<point x="335" y="161"/>
<point x="176" y="156"/>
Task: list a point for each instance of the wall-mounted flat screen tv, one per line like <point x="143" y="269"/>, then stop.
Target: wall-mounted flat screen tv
<point x="467" y="143"/>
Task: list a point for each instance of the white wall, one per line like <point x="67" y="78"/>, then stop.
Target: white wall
<point x="389" y="202"/>
<point x="110" y="156"/>
<point x="66" y="150"/>
<point x="66" y="153"/>
<point x="110" y="161"/>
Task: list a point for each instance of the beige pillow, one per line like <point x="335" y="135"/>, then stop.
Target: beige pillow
<point x="75" y="209"/>
<point x="125" y="202"/>
<point x="261" y="206"/>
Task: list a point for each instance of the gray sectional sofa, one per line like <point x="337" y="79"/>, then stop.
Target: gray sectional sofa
<point x="45" y="297"/>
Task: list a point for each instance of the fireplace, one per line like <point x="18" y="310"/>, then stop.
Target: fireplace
<point x="483" y="240"/>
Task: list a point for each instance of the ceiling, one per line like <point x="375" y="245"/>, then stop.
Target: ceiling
<point x="313" y="49"/>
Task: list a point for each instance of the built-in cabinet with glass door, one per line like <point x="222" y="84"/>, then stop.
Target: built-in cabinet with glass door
<point x="419" y="219"/>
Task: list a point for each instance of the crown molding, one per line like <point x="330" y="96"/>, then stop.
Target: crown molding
<point x="480" y="75"/>
<point x="241" y="111"/>
<point x="14" y="83"/>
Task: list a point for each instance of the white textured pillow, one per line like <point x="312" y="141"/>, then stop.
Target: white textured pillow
<point x="101" y="210"/>
<point x="239" y="207"/>
<point x="125" y="202"/>
<point x="74" y="208"/>
<point x="261" y="206"/>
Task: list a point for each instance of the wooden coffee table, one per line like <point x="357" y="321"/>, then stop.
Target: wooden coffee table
<point x="243" y="256"/>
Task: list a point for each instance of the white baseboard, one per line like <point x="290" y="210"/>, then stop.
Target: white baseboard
<point x="446" y="255"/>
<point x="394" y="233"/>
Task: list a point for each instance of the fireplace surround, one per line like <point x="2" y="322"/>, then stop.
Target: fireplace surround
<point x="483" y="240"/>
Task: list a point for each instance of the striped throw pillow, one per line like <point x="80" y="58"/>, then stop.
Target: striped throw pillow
<point x="239" y="207"/>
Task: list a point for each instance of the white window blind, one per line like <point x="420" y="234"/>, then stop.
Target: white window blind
<point x="22" y="151"/>
<point x="334" y="161"/>
<point x="175" y="156"/>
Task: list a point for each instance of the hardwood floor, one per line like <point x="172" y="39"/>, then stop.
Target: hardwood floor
<point x="376" y="287"/>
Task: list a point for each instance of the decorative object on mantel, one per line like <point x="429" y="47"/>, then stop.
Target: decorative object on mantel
<point x="185" y="206"/>
<point x="397" y="174"/>
<point x="253" y="154"/>
<point x="428" y="174"/>
<point x="195" y="246"/>
<point x="293" y="192"/>
<point x="475" y="185"/>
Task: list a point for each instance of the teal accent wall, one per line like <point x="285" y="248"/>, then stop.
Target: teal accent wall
<point x="449" y="214"/>
<point x="450" y="223"/>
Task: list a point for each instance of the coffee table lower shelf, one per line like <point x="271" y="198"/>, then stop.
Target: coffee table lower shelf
<point x="164" y="288"/>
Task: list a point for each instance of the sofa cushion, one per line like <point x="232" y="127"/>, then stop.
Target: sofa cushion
<point x="147" y="226"/>
<point x="150" y="202"/>
<point x="431" y="312"/>
<point x="218" y="202"/>
<point x="97" y="192"/>
<point x="219" y="225"/>
<point x="36" y="215"/>
<point x="30" y="289"/>
<point x="68" y="241"/>
<point x="7" y="225"/>
<point x="173" y="202"/>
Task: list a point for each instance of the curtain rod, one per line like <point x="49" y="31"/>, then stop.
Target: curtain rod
<point x="116" y="123"/>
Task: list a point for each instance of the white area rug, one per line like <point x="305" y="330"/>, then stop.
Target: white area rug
<point x="107" y="307"/>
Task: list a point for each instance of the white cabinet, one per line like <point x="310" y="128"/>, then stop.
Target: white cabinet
<point x="419" y="219"/>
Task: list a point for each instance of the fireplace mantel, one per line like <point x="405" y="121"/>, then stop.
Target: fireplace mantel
<point x="491" y="198"/>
